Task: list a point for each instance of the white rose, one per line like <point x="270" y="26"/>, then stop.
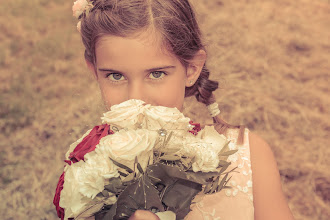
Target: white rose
<point x="97" y="168"/>
<point x="205" y="157"/>
<point x="210" y="135"/>
<point x="204" y="148"/>
<point x="71" y="199"/>
<point x="125" y="115"/>
<point x="157" y="117"/>
<point x="124" y="146"/>
<point x="83" y="181"/>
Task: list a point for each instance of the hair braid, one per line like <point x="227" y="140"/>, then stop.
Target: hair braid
<point x="202" y="90"/>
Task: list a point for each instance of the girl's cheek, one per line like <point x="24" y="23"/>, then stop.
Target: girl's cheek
<point x="109" y="95"/>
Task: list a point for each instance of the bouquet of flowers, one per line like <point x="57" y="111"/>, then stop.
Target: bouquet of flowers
<point x="142" y="157"/>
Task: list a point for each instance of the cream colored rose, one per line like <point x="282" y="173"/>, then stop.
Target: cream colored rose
<point x="157" y="117"/>
<point x="125" y="115"/>
<point x="210" y="135"/>
<point x="124" y="146"/>
<point x="72" y="200"/>
<point x="206" y="159"/>
<point x="83" y="181"/>
<point x="204" y="148"/>
<point x="97" y="169"/>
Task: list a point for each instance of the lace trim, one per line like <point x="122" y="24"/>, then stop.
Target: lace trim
<point x="242" y="159"/>
<point x="207" y="215"/>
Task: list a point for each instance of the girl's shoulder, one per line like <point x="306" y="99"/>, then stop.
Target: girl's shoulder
<point x="267" y="188"/>
<point x="256" y="184"/>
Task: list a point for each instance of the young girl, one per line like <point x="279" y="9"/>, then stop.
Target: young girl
<point x="151" y="50"/>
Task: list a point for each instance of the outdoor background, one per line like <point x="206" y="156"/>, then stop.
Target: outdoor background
<point x="272" y="59"/>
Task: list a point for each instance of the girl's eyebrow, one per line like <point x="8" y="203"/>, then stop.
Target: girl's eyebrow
<point x="148" y="70"/>
<point x="160" y="68"/>
<point x="109" y="70"/>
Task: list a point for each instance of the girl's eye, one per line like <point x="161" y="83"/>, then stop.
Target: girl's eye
<point x="157" y="75"/>
<point x="115" y="76"/>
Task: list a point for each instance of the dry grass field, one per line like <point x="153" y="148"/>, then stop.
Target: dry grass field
<point x="272" y="59"/>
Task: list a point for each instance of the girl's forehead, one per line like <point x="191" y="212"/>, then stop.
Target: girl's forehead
<point x="145" y="42"/>
<point x="138" y="50"/>
<point x="149" y="38"/>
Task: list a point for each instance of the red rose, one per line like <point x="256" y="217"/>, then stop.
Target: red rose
<point x="87" y="145"/>
<point x="196" y="128"/>
<point x="56" y="201"/>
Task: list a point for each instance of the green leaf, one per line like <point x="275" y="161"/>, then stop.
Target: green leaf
<point x="225" y="147"/>
<point x="208" y="187"/>
<point x="105" y="193"/>
<point x="168" y="150"/>
<point x="232" y="170"/>
<point x="140" y="168"/>
<point x="222" y="183"/>
<point x="215" y="185"/>
<point x="223" y="163"/>
<point x="106" y="213"/>
<point x="170" y="157"/>
<point x="175" y="172"/>
<point x="122" y="166"/>
<point x="141" y="194"/>
<point x="228" y="180"/>
<point x="168" y="138"/>
<point x="179" y="195"/>
<point x="154" y="179"/>
<point x="228" y="153"/>
<point x="115" y="185"/>
<point x="88" y="212"/>
<point x="122" y="173"/>
<point x="157" y="142"/>
<point x="129" y="177"/>
<point x="224" y="168"/>
<point x="186" y="162"/>
<point x="156" y="172"/>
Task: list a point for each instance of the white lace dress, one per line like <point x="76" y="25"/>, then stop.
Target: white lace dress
<point x="229" y="204"/>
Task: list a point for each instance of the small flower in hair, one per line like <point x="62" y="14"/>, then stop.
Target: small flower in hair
<point x="79" y="26"/>
<point x="80" y="6"/>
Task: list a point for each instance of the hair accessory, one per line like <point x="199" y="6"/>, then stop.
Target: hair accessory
<point x="213" y="109"/>
<point x="81" y="6"/>
<point x="79" y="26"/>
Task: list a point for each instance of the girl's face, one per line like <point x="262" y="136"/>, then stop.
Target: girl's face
<point x="138" y="68"/>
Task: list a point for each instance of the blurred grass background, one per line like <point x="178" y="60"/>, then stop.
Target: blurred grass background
<point x="270" y="57"/>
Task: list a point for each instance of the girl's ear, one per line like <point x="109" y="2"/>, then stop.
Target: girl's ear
<point x="91" y="68"/>
<point x="195" y="67"/>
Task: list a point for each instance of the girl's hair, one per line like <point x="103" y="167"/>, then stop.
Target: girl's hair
<point x="174" y="20"/>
